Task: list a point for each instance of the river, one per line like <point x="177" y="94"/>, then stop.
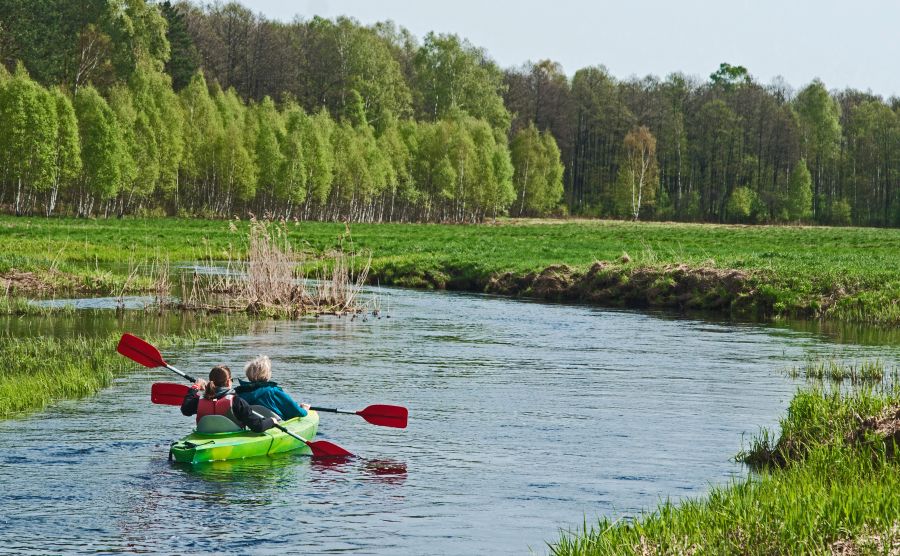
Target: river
<point x="525" y="419"/>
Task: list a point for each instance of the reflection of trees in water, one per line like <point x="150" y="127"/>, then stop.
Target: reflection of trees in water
<point x="845" y="333"/>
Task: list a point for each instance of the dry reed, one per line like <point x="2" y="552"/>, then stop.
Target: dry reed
<point x="272" y="280"/>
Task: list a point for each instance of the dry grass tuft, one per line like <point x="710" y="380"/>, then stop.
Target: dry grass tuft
<point x="272" y="280"/>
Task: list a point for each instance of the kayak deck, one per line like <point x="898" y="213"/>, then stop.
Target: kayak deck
<point x="200" y="447"/>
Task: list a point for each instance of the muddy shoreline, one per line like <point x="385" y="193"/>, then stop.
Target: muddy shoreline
<point x="679" y="287"/>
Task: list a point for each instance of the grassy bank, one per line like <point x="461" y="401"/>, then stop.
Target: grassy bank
<point x="849" y="274"/>
<point x="831" y="490"/>
<point x="44" y="369"/>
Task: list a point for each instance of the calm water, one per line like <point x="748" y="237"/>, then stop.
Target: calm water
<point x="525" y="419"/>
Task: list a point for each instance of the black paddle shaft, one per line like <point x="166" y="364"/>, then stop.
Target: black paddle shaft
<point x="332" y="410"/>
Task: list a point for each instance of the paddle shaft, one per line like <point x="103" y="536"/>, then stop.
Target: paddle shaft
<point x="181" y="374"/>
<point x="284" y="430"/>
<point x="332" y="410"/>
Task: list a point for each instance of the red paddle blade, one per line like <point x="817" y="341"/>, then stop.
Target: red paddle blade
<point x="167" y="393"/>
<point x="385" y="415"/>
<point x="325" y="449"/>
<point x="140" y="351"/>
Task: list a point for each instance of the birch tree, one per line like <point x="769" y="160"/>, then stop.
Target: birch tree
<point x="638" y="173"/>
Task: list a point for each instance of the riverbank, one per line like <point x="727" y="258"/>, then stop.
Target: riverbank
<point x="827" y="485"/>
<point x="43" y="369"/>
<point x="842" y="274"/>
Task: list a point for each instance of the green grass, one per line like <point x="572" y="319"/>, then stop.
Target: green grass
<point x="837" y="371"/>
<point x="42" y="369"/>
<point x="833" y="487"/>
<point x="850" y="274"/>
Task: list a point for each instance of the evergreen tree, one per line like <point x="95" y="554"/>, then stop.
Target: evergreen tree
<point x="184" y="60"/>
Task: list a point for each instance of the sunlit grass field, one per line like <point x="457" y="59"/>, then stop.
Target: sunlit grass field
<point x="802" y="266"/>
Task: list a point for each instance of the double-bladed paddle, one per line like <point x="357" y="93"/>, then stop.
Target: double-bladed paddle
<point x="168" y="393"/>
<point x="147" y="355"/>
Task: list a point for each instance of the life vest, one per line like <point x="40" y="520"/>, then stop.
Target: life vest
<point x="217" y="406"/>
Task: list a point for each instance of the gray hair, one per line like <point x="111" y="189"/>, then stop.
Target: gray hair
<point x="259" y="369"/>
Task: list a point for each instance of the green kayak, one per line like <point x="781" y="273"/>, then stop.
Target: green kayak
<point x="199" y="447"/>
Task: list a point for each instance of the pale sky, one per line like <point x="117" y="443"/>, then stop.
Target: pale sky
<point x="844" y="43"/>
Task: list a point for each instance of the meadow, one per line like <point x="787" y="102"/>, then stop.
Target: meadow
<point x="849" y="274"/>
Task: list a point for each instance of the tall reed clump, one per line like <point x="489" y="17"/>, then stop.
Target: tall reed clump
<point x="831" y="489"/>
<point x="273" y="280"/>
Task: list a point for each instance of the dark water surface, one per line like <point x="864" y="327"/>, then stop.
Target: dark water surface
<point x="525" y="419"/>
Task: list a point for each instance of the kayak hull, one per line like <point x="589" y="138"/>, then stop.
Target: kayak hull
<point x="202" y="447"/>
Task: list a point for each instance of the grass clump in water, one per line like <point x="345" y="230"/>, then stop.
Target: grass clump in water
<point x="39" y="370"/>
<point x="828" y="485"/>
<point x="867" y="371"/>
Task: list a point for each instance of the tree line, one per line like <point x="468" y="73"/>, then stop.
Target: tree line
<point x="110" y="116"/>
<point x="124" y="107"/>
<point x="724" y="150"/>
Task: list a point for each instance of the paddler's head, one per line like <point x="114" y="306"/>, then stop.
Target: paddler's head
<point x="219" y="377"/>
<point x="259" y="369"/>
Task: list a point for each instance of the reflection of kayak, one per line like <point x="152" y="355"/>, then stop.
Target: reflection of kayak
<point x="199" y="447"/>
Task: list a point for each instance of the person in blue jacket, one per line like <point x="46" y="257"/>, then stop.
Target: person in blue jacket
<point x="260" y="390"/>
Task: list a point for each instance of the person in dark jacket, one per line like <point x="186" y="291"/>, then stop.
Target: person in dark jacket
<point x="260" y="390"/>
<point x="219" y="399"/>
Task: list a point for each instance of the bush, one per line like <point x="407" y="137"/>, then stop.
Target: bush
<point x="741" y="205"/>
<point x="841" y="213"/>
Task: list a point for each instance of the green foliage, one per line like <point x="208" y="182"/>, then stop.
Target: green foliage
<point x="538" y="172"/>
<point x="728" y="76"/>
<point x="294" y="157"/>
<point x="226" y="150"/>
<point x="741" y="204"/>
<point x="638" y="179"/>
<point x="452" y="74"/>
<point x="344" y="57"/>
<point x="29" y="123"/>
<point x="841" y="214"/>
<point x="103" y="149"/>
<point x="798" y="201"/>
<point x="269" y="159"/>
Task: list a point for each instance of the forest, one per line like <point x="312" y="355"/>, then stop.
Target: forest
<point x="126" y="107"/>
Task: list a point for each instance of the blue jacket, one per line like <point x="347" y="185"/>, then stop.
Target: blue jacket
<point x="269" y="394"/>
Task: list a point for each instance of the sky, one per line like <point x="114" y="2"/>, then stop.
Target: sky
<point x="843" y="43"/>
